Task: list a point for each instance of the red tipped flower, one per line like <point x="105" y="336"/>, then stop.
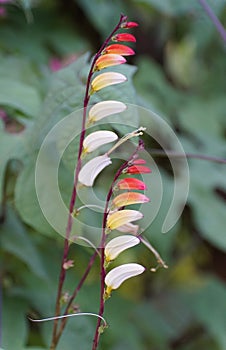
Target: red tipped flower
<point x="119" y="49"/>
<point x="124" y="37"/>
<point x="129" y="25"/>
<point x="131" y="184"/>
<point x="138" y="169"/>
<point x="139" y="161"/>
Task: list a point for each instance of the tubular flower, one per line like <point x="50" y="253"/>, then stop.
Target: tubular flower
<point x="109" y="60"/>
<point x="124" y="37"/>
<point x="119" y="274"/>
<point x="117" y="245"/>
<point x="131" y="184"/>
<point x="129" y="228"/>
<point x="91" y="169"/>
<point x="119" y="49"/>
<point x="105" y="108"/>
<point x="139" y="161"/>
<point x="106" y="79"/>
<point x="138" y="169"/>
<point x="97" y="139"/>
<point x="122" y="217"/>
<point x="127" y="25"/>
<point x="128" y="198"/>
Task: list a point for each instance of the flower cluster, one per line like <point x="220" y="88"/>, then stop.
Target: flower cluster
<point x="117" y="216"/>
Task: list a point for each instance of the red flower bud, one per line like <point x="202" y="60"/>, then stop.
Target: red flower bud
<point x="124" y="37"/>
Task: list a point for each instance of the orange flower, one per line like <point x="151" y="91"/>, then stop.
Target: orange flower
<point x="119" y="49"/>
<point x="109" y="60"/>
<point x="131" y="184"/>
<point x="128" y="198"/>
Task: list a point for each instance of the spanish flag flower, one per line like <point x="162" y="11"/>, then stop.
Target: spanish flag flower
<point x="119" y="274"/>
<point x="128" y="25"/>
<point x="97" y="139"/>
<point x="130" y="183"/>
<point x="129" y="228"/>
<point x="119" y="49"/>
<point x="138" y="169"/>
<point x="92" y="169"/>
<point x="109" y="60"/>
<point x="105" y="108"/>
<point x="122" y="217"/>
<point x="118" y="244"/>
<point x="106" y="79"/>
<point x="124" y="37"/>
<point x="128" y="198"/>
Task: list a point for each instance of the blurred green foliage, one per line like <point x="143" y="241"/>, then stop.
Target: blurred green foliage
<point x="180" y="74"/>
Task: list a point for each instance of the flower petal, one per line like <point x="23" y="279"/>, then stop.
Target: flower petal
<point x="109" y="60"/>
<point x="119" y="274"/>
<point x="97" y="139"/>
<point x="130" y="183"/>
<point x="117" y="245"/>
<point x="129" y="228"/>
<point x="124" y="37"/>
<point x="138" y="169"/>
<point x="128" y="198"/>
<point x="129" y="25"/>
<point x="105" y="108"/>
<point x="122" y="217"/>
<point x="91" y="170"/>
<point x="119" y="49"/>
<point x="106" y="79"/>
<point x="139" y="161"/>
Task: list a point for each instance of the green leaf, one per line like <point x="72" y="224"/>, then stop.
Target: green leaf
<point x="15" y="240"/>
<point x="14" y="326"/>
<point x="209" y="307"/>
<point x="11" y="146"/>
<point x="20" y="96"/>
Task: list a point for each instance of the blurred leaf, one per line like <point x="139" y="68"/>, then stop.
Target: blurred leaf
<point x="211" y="314"/>
<point x="14" y="333"/>
<point x="19" y="96"/>
<point x="15" y="240"/>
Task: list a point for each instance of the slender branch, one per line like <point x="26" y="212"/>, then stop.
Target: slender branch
<point x="166" y="153"/>
<point x="55" y="337"/>
<point x="220" y="28"/>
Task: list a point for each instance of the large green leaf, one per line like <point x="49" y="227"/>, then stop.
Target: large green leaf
<point x="14" y="326"/>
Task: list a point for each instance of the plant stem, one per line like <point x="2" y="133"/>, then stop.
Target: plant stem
<point x="55" y="337"/>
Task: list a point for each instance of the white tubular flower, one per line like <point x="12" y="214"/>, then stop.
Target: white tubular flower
<point x="105" y="108"/>
<point x="117" y="245"/>
<point x="122" y="217"/>
<point x="129" y="228"/>
<point x="119" y="274"/>
<point x="91" y="169"/>
<point x="97" y="139"/>
<point x="106" y="79"/>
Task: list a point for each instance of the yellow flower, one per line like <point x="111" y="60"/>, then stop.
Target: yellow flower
<point x="106" y="79"/>
<point x="122" y="217"/>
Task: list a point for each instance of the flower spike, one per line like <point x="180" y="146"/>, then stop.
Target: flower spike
<point x="106" y="79"/>
<point x="97" y="139"/>
<point x="129" y="198"/>
<point x="119" y="49"/>
<point x="119" y="274"/>
<point x="131" y="184"/>
<point x="118" y="244"/>
<point x="92" y="169"/>
<point x="122" y="217"/>
<point x="109" y="60"/>
<point x="124" y="37"/>
<point x="105" y="108"/>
